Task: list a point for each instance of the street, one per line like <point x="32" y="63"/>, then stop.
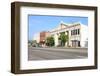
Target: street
<point x="38" y="53"/>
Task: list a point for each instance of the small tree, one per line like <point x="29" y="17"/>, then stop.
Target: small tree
<point x="63" y="38"/>
<point x="50" y="41"/>
<point x="30" y="42"/>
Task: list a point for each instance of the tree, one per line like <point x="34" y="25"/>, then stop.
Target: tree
<point x="63" y="38"/>
<point x="32" y="42"/>
<point x="50" y="41"/>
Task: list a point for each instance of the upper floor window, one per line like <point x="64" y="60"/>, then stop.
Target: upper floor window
<point x="78" y="31"/>
<point x="75" y="32"/>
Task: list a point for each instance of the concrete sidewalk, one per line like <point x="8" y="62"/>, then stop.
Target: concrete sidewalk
<point x="76" y="50"/>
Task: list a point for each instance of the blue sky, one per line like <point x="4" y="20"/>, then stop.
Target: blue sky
<point x="38" y="23"/>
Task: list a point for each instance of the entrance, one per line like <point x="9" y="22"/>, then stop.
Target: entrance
<point x="75" y="43"/>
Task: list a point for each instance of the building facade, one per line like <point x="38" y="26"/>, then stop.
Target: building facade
<point x="77" y="34"/>
<point x="43" y="36"/>
<point x="36" y="37"/>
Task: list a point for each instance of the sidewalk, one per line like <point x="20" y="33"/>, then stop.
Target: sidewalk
<point x="69" y="47"/>
<point x="74" y="50"/>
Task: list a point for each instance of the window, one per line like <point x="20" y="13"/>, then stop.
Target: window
<point x="75" y="32"/>
<point x="71" y="32"/>
<point x="78" y="31"/>
<point x="78" y="43"/>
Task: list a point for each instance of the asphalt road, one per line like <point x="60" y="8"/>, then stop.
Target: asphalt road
<point x="37" y="53"/>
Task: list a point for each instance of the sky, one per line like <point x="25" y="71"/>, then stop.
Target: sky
<point x="38" y="23"/>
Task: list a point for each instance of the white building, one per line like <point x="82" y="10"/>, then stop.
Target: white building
<point x="77" y="33"/>
<point x="36" y="37"/>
